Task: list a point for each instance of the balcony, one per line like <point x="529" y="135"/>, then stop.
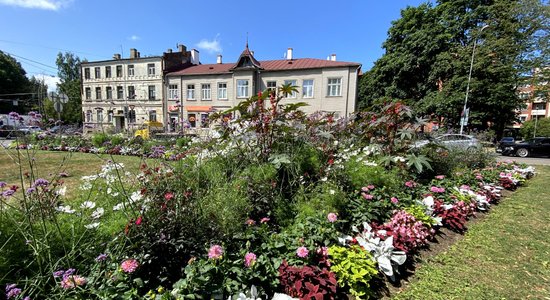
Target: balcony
<point x="538" y="112"/>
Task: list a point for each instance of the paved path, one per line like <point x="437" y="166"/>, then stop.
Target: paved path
<point x="528" y="160"/>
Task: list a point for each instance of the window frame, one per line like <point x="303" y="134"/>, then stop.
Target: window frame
<point x="206" y="91"/>
<point x="293" y="82"/>
<point x="131" y="70"/>
<point x="97" y="72"/>
<point x="190" y="91"/>
<point x="337" y="86"/>
<point x="311" y="89"/>
<point x="108" y="73"/>
<point x="224" y="89"/>
<point x="119" y="92"/>
<point x="119" y="71"/>
<point x="109" y="93"/>
<point x="173" y="92"/>
<point x="88" y="93"/>
<point x="149" y="68"/>
<point x="152" y="92"/>
<point x="98" y="93"/>
<point x="131" y="92"/>
<point x="87" y="74"/>
<point x="241" y="88"/>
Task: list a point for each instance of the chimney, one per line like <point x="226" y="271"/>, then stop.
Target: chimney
<point x="182" y="48"/>
<point x="333" y="57"/>
<point x="195" y="56"/>
<point x="138" y="54"/>
<point x="289" y="54"/>
<point x="116" y="56"/>
<point x="219" y="60"/>
<point x="169" y="50"/>
<point x="133" y="53"/>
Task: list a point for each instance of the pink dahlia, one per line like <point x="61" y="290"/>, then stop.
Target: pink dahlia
<point x="394" y="200"/>
<point x="440" y="177"/>
<point x="332" y="217"/>
<point x="264" y="220"/>
<point x="215" y="252"/>
<point x="72" y="281"/>
<point x="249" y="259"/>
<point x="302" y="252"/>
<point x="129" y="265"/>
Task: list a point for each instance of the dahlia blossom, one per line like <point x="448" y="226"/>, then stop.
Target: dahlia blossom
<point x="332" y="217"/>
<point x="129" y="265"/>
<point x="215" y="252"/>
<point x="249" y="259"/>
<point x="302" y="252"/>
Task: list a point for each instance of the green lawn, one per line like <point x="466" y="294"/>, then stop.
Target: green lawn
<point x="48" y="164"/>
<point x="504" y="256"/>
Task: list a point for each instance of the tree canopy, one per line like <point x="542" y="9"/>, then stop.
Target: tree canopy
<point x="429" y="51"/>
<point x="68" y="66"/>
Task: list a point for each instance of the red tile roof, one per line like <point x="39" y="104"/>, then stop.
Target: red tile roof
<point x="266" y="65"/>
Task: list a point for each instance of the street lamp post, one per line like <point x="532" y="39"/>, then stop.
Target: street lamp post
<point x="465" y="113"/>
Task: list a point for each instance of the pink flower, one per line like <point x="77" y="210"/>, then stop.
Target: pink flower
<point x="479" y="177"/>
<point x="302" y="252"/>
<point x="139" y="220"/>
<point x="436" y="189"/>
<point x="249" y="259"/>
<point x="72" y="281"/>
<point x="440" y="177"/>
<point x="215" y="252"/>
<point x="367" y="196"/>
<point x="168" y="196"/>
<point x="410" y="184"/>
<point x="250" y="222"/>
<point x="322" y="251"/>
<point x="394" y="200"/>
<point x="370" y="187"/>
<point x="129" y="265"/>
<point x="264" y="220"/>
<point x="332" y="217"/>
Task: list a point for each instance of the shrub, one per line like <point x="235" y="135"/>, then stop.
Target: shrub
<point x="99" y="138"/>
<point x="307" y="282"/>
<point x="354" y="269"/>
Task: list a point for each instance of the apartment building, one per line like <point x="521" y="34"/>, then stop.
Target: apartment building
<point x="122" y="93"/>
<point x="535" y="93"/>
<point x="194" y="92"/>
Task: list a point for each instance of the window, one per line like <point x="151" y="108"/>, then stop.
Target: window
<point x="307" y="88"/>
<point x="110" y="116"/>
<point x="292" y="83"/>
<point x="192" y="118"/>
<point x="205" y="89"/>
<point x="173" y="92"/>
<point x="118" y="71"/>
<point x="99" y="114"/>
<point x="86" y="73"/>
<point x="272" y="86"/>
<point x="98" y="93"/>
<point x="89" y="116"/>
<point x="334" y="87"/>
<point x="190" y="92"/>
<point x="130" y="70"/>
<point x="131" y="92"/>
<point x="109" y="92"/>
<point x="204" y="120"/>
<point x="151" y="69"/>
<point x="119" y="92"/>
<point x="131" y="116"/>
<point x="539" y="106"/>
<point x="242" y="88"/>
<point x="88" y="93"/>
<point x="97" y="72"/>
<point x="152" y="92"/>
<point x="153" y="115"/>
<point x="108" y="72"/>
<point x="222" y="90"/>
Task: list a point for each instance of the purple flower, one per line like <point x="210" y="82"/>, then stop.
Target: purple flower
<point x="41" y="182"/>
<point x="249" y="259"/>
<point x="101" y="257"/>
<point x="10" y="287"/>
<point x="13" y="293"/>
<point x="8" y="193"/>
<point x="302" y="252"/>
<point x="14" y="116"/>
<point x="69" y="272"/>
<point x="58" y="274"/>
<point x="31" y="190"/>
<point x="3" y="184"/>
<point x="215" y="252"/>
<point x="27" y="298"/>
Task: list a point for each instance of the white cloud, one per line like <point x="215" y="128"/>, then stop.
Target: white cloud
<point x="212" y="46"/>
<point x="38" y="4"/>
<point x="132" y="38"/>
<point x="51" y="82"/>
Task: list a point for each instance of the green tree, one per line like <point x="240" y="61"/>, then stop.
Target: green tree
<point x="68" y="66"/>
<point x="13" y="80"/>
<point x="428" y="54"/>
<point x="531" y="128"/>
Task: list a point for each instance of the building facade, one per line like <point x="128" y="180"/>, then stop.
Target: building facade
<point x="196" y="91"/>
<point x="535" y="92"/>
<point x="121" y="94"/>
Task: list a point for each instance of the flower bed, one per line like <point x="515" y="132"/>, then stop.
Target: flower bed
<point x="281" y="205"/>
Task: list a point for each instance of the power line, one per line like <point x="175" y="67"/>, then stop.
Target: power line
<point x="34" y="61"/>
<point x="53" y="48"/>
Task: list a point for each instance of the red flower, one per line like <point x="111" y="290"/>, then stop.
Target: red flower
<point x="139" y="220"/>
<point x="168" y="196"/>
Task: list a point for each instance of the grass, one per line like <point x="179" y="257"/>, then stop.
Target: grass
<point x="505" y="256"/>
<point x="47" y="164"/>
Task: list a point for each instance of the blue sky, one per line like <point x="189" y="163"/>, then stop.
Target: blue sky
<point x="96" y="29"/>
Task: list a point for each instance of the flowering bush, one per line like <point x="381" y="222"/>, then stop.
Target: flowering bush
<point x="408" y="234"/>
<point x="307" y="282"/>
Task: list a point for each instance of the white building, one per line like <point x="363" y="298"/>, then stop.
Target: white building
<point x="120" y="94"/>
<point x="194" y="92"/>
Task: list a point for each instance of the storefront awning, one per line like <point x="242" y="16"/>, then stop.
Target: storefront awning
<point x="191" y="108"/>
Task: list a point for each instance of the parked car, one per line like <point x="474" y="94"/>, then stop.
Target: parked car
<point x="9" y="131"/>
<point x="539" y="146"/>
<point x="504" y="140"/>
<point x="456" y="141"/>
<point x="30" y="129"/>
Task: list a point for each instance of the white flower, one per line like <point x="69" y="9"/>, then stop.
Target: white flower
<point x="66" y="209"/>
<point x="92" y="225"/>
<point x="85" y="186"/>
<point x="98" y="213"/>
<point x="118" y="206"/>
<point x="136" y="196"/>
<point x="332" y="192"/>
<point x="87" y="204"/>
<point x="61" y="191"/>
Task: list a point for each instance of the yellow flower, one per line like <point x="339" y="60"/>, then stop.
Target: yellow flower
<point x="160" y="290"/>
